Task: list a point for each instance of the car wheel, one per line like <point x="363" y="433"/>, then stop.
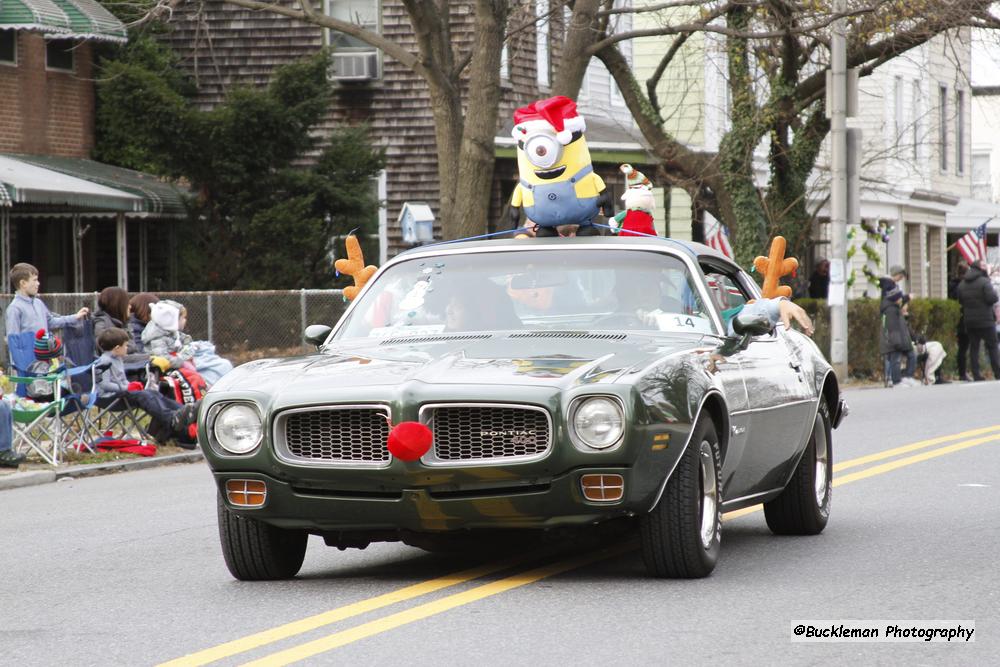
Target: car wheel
<point x="803" y="508"/>
<point x="680" y="537"/>
<point x="256" y="551"/>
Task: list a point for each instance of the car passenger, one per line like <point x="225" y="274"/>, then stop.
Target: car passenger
<point x="481" y="305"/>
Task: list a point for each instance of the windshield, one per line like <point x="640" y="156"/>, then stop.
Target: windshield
<point x="530" y="290"/>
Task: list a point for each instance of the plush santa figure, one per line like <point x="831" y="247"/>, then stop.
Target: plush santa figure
<point x="637" y="218"/>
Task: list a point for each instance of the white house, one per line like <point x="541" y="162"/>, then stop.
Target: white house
<point x="917" y="164"/>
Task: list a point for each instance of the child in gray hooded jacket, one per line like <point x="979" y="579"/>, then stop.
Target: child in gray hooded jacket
<point x="164" y="337"/>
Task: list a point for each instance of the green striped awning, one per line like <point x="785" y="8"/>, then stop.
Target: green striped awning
<point x="85" y="185"/>
<point x="59" y="19"/>
<point x="157" y="196"/>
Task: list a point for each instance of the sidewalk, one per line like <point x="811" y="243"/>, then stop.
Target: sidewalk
<point x="31" y="474"/>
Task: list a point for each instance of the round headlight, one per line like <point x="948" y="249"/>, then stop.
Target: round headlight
<point x="598" y="422"/>
<point x="237" y="428"/>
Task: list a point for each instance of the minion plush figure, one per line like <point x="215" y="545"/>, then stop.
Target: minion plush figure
<point x="557" y="185"/>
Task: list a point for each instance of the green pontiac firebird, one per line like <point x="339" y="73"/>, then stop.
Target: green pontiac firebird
<point x="566" y="382"/>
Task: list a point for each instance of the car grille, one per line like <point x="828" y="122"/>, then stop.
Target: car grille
<point x="487" y="432"/>
<point x="334" y="435"/>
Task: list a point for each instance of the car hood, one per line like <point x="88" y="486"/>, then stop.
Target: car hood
<point x="557" y="361"/>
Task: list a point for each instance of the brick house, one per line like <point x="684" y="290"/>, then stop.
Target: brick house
<point x="222" y="46"/>
<point x="59" y="210"/>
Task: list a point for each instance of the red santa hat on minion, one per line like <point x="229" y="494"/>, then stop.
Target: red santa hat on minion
<point x="556" y="114"/>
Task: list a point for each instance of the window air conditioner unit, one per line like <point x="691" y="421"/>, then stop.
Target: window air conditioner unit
<point x="354" y="66"/>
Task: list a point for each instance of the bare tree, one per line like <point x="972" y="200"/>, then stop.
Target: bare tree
<point x="460" y="73"/>
<point x="776" y="56"/>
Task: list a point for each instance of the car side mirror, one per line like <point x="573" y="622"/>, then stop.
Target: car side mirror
<point x="317" y="334"/>
<point x="746" y="324"/>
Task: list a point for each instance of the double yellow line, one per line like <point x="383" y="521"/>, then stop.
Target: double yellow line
<point x="963" y="440"/>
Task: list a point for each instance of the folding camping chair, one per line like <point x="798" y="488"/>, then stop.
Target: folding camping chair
<point x="45" y="427"/>
<point x="111" y="412"/>
<point x="115" y="412"/>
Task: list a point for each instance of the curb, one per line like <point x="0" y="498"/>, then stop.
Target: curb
<point x="30" y="478"/>
<point x="36" y="477"/>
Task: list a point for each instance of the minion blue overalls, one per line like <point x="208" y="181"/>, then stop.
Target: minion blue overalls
<point x="557" y="203"/>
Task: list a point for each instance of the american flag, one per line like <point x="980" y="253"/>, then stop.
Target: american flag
<point x="719" y="239"/>
<point x="973" y="245"/>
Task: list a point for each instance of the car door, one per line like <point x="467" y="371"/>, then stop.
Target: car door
<point x="777" y="392"/>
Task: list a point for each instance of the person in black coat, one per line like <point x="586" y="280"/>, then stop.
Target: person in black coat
<point x="977" y="296"/>
<point x="819" y="281"/>
<point x="961" y="268"/>
<point x="895" y="340"/>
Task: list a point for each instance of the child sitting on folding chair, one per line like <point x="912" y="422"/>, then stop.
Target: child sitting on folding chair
<point x="168" y="417"/>
<point x="49" y="359"/>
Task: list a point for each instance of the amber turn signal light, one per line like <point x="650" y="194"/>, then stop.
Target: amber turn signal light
<point x="602" y="488"/>
<point x="246" y="492"/>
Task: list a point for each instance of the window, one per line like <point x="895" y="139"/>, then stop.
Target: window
<point x="8" y="47"/>
<point x="556" y="290"/>
<point x="898" y="108"/>
<point x="916" y="119"/>
<point x="59" y="54"/>
<point x="943" y="126"/>
<point x="353" y="59"/>
<point x="542" y="61"/>
<point x="960" y="132"/>
<point x="364" y="13"/>
<point x="505" y="63"/>
<point x="725" y="291"/>
<point x="616" y="94"/>
<point x="982" y="187"/>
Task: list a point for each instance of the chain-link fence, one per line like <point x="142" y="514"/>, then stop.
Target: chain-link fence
<point x="242" y="325"/>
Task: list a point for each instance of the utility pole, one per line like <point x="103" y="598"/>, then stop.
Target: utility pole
<point x="837" y="111"/>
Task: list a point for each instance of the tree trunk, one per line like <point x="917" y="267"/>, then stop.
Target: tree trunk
<point x="446" y="106"/>
<point x="471" y="199"/>
<point x="787" y="195"/>
<point x="574" y="59"/>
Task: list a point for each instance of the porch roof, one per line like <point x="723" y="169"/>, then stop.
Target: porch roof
<point x="62" y="19"/>
<point x="970" y="213"/>
<point x="23" y="183"/>
<point x="80" y="183"/>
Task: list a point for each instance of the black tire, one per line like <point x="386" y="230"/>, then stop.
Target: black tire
<point x="803" y="508"/>
<point x="256" y="551"/>
<point x="671" y="535"/>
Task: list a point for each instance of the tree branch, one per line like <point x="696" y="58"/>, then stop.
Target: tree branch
<point x="653" y="81"/>
<point x="705" y="26"/>
<point x="389" y="47"/>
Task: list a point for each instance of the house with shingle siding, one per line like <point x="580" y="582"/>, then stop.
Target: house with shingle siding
<point x="222" y="46"/>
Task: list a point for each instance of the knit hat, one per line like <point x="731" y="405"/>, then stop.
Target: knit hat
<point x="635" y="178"/>
<point x="47" y="346"/>
<point x="556" y="114"/>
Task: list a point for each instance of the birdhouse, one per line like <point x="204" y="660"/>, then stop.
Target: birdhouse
<point x="416" y="221"/>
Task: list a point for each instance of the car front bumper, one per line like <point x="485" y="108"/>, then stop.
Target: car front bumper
<point x="543" y="504"/>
